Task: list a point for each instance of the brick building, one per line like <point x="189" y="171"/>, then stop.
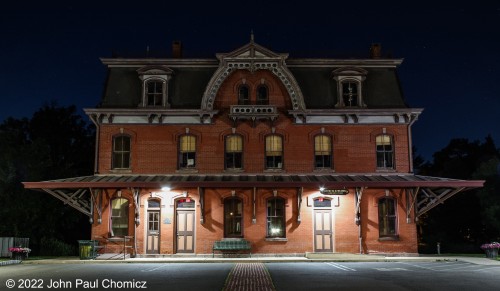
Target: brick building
<point x="292" y="155"/>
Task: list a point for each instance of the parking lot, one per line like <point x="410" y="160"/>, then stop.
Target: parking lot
<point x="410" y="275"/>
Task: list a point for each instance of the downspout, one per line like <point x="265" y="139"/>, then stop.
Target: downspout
<point x="413" y="118"/>
<point x="97" y="134"/>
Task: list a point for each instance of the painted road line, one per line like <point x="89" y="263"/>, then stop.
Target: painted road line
<point x="155" y="268"/>
<point x="341" y="267"/>
<point x="390" y="269"/>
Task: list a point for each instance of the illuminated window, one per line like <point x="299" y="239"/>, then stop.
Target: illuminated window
<point x="243" y="95"/>
<point x="233" y="213"/>
<point x="385" y="152"/>
<point x="119" y="217"/>
<point x="154" y="93"/>
<point x="275" y="217"/>
<point x="274" y="152"/>
<point x="262" y="96"/>
<point x="350" y="93"/>
<point x="322" y="152"/>
<point x="121" y="152"/>
<point x="187" y="152"/>
<point x="234" y="152"/>
<point x="387" y="217"/>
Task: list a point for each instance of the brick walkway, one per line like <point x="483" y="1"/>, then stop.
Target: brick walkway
<point x="249" y="276"/>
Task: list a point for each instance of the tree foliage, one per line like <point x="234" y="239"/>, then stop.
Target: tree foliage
<point x="470" y="218"/>
<point x="54" y="143"/>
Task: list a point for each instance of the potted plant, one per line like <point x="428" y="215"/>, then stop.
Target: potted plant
<point x="491" y="249"/>
<point x="19" y="253"/>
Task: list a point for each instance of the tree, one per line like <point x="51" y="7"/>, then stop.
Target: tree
<point x="55" y="143"/>
<point x="461" y="224"/>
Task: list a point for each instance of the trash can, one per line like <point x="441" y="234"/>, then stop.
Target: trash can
<point x="87" y="249"/>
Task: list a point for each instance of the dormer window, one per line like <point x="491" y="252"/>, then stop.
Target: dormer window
<point x="154" y="93"/>
<point x="349" y="84"/>
<point x="243" y="95"/>
<point x="350" y="93"/>
<point x="154" y="86"/>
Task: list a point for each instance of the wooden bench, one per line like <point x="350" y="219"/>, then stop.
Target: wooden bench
<point x="231" y="246"/>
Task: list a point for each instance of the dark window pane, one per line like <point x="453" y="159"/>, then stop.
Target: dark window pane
<point x="233" y="209"/>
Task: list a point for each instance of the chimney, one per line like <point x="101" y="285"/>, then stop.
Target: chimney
<point x="376" y="51"/>
<point x="177" y="49"/>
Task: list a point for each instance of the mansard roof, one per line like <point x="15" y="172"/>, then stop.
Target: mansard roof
<point x="311" y="85"/>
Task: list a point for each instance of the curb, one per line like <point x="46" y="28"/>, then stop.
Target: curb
<point x="10" y="262"/>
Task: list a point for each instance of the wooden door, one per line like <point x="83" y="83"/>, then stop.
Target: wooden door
<point x="185" y="231"/>
<point x="323" y="230"/>
<point x="153" y="232"/>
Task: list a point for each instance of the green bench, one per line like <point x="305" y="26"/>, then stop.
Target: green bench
<point x="231" y="246"/>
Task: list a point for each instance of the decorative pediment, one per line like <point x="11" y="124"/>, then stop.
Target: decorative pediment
<point x="251" y="51"/>
<point x="155" y="70"/>
<point x="253" y="57"/>
<point x="349" y="71"/>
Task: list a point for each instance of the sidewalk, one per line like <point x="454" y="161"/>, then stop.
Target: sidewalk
<point x="337" y="257"/>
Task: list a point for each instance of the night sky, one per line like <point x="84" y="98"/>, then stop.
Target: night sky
<point x="50" y="52"/>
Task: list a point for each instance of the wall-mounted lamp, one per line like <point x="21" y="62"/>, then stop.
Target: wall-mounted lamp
<point x="165" y="188"/>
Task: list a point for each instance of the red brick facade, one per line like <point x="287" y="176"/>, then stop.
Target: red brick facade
<point x="319" y="158"/>
<point x="154" y="150"/>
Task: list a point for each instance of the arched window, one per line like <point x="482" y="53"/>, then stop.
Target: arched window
<point x="243" y="95"/>
<point x="385" y="152"/>
<point x="262" y="95"/>
<point x="322" y="151"/>
<point x="187" y="152"/>
<point x="121" y="152"/>
<point x="276" y="217"/>
<point x="233" y="214"/>
<point x="154" y="93"/>
<point x="274" y="152"/>
<point x="350" y="93"/>
<point x="387" y="217"/>
<point x="119" y="217"/>
<point x="234" y="152"/>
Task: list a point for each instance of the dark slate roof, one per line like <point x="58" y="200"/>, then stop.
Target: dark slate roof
<point x="381" y="88"/>
<point x="317" y="86"/>
<point x="279" y="180"/>
<point x="123" y="87"/>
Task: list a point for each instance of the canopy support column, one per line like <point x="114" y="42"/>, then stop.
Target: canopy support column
<point x="357" y="199"/>
<point x="201" y="193"/>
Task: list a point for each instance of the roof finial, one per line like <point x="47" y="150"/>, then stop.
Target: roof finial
<point x="251" y="36"/>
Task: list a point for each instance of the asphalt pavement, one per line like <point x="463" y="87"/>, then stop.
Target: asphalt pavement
<point x="310" y="257"/>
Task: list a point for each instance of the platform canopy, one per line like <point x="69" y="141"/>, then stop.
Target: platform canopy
<point x="422" y="192"/>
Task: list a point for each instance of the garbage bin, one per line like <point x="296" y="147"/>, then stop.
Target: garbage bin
<point x="87" y="249"/>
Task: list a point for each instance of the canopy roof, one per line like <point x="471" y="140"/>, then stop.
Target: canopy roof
<point x="422" y="192"/>
<point x="256" y="180"/>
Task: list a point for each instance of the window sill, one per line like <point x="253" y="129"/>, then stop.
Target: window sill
<point x="324" y="170"/>
<point x="389" y="238"/>
<point x="234" y="171"/>
<point x="274" y="171"/>
<point x="187" y="171"/>
<point x="121" y="171"/>
<point x="276" y="239"/>
<point x="383" y="170"/>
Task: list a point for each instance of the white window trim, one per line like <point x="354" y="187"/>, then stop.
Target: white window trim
<point x="161" y="74"/>
<point x="352" y="75"/>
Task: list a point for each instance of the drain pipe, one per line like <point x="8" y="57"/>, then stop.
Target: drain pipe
<point x="412" y="118"/>
<point x="95" y="120"/>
